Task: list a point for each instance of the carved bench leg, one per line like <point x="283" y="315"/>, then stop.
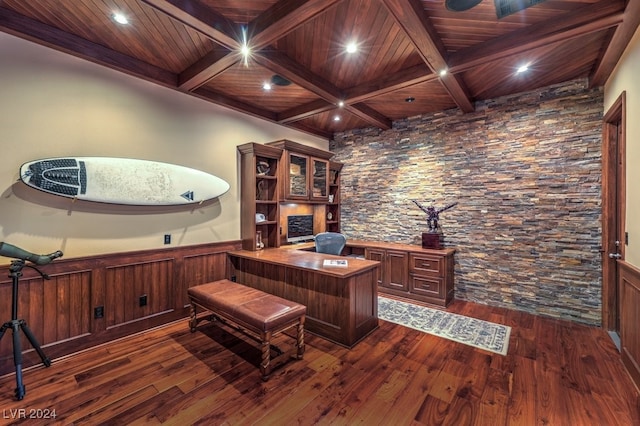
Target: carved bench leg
<point x="300" y="338"/>
<point x="193" y="322"/>
<point x="265" y="364"/>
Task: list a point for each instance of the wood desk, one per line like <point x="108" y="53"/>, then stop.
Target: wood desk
<point x="342" y="302"/>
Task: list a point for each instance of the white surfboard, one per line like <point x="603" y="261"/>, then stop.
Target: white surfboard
<point x="122" y="180"/>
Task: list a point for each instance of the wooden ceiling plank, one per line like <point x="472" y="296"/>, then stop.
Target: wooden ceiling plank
<point x="621" y="38"/>
<point x="592" y="18"/>
<point x="409" y="77"/>
<point x="284" y="17"/>
<point x="193" y="14"/>
<point x="220" y="99"/>
<point x="410" y="16"/>
<point x="304" y="111"/>
<point x="37" y="32"/>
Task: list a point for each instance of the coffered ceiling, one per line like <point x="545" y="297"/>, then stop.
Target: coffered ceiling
<point x="412" y="56"/>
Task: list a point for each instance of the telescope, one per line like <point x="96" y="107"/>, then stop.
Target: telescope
<point x="9" y="250"/>
<point x="14" y="324"/>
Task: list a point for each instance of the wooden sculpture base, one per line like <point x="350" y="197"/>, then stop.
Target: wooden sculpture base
<point x="432" y="240"/>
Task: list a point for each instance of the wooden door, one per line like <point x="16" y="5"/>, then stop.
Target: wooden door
<point x="377" y="255"/>
<point x="396" y="266"/>
<point x="613" y="211"/>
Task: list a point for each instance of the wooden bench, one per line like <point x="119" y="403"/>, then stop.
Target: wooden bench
<point x="257" y="314"/>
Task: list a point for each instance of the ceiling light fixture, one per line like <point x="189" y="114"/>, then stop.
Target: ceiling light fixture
<point x="119" y="18"/>
<point x="522" y="69"/>
<point x="443" y="72"/>
<point x="266" y="86"/>
<point x="352" y="47"/>
<point x="340" y="104"/>
<point x="410" y="99"/>
<point x="336" y="118"/>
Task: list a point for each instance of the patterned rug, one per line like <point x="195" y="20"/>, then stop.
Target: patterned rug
<point x="470" y="331"/>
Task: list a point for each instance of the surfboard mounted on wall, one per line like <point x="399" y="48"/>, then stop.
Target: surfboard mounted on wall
<point x="122" y="181"/>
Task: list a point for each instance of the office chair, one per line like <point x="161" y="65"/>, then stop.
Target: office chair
<point x="330" y="242"/>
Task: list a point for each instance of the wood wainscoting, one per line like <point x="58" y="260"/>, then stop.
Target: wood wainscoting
<point x="630" y="319"/>
<point x="135" y="291"/>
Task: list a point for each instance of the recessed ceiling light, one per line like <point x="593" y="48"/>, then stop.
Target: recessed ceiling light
<point x="522" y="69"/>
<point x="119" y="18"/>
<point x="336" y="118"/>
<point x="443" y="72"/>
<point x="410" y="99"/>
<point x="266" y="86"/>
<point x="341" y="104"/>
<point x="352" y="47"/>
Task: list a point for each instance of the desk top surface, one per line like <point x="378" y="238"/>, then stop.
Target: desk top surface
<point x="308" y="260"/>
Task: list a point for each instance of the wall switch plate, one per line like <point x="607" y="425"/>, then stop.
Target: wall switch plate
<point x="98" y="312"/>
<point x="626" y="238"/>
<point x="167" y="238"/>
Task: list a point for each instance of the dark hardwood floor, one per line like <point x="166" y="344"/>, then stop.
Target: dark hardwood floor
<point x="556" y="373"/>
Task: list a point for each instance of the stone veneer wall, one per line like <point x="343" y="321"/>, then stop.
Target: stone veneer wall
<point x="525" y="171"/>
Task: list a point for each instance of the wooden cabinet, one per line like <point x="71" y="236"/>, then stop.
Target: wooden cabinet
<point x="305" y="173"/>
<point x="333" y="202"/>
<point x="260" y="197"/>
<point x="412" y="272"/>
<point x="392" y="273"/>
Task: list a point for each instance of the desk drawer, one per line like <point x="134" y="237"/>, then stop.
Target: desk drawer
<point x="426" y="286"/>
<point x="425" y="264"/>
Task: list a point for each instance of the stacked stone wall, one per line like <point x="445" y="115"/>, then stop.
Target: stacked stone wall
<point x="525" y="171"/>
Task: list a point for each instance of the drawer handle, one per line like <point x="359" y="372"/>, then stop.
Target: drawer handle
<point x="425" y="265"/>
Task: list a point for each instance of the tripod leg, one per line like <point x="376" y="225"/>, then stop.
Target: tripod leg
<point x="17" y="360"/>
<point x="34" y="342"/>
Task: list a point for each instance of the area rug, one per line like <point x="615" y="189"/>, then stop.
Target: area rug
<point x="470" y="331"/>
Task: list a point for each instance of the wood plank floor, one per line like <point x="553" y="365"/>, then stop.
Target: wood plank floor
<point x="556" y="373"/>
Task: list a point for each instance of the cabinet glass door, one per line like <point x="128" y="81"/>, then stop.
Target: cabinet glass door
<point x="320" y="187"/>
<point x="298" y="176"/>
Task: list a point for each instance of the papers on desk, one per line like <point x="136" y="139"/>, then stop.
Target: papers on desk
<point x="336" y="262"/>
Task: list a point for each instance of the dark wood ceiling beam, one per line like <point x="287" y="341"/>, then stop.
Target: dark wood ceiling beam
<point x="202" y="19"/>
<point x="596" y="17"/>
<point x="37" y="32"/>
<point x="369" y="115"/>
<point x="621" y="38"/>
<point x="294" y="72"/>
<point x="305" y="111"/>
<point x="282" y="18"/>
<point x="407" y="78"/>
<point x="209" y="66"/>
<point x="410" y="16"/>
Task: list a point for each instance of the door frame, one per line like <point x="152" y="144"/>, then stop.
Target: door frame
<point x="613" y="207"/>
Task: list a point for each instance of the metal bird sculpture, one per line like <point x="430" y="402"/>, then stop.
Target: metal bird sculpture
<point x="433" y="214"/>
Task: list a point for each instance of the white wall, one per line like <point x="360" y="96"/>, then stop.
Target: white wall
<point x="53" y="104"/>
<point x="625" y="78"/>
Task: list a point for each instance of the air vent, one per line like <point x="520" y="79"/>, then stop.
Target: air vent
<point x="461" y="5"/>
<point x="507" y="7"/>
<point x="278" y="80"/>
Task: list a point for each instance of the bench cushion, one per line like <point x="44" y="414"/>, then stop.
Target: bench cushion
<point x="261" y="310"/>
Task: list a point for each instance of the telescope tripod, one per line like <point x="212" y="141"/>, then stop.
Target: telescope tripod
<point x="16" y="324"/>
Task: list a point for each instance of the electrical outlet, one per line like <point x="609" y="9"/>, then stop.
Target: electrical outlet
<point x="233" y="278"/>
<point x="626" y="238"/>
<point x="143" y="300"/>
<point x="98" y="312"/>
<point x="167" y="238"/>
